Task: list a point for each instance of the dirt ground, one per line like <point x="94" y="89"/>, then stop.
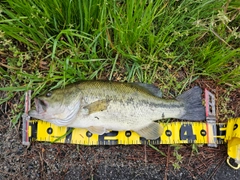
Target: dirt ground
<point x="66" y="161"/>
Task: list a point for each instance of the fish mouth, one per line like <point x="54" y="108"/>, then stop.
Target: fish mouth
<point x="41" y="105"/>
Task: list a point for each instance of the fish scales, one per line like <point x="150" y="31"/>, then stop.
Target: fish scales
<point x="131" y="100"/>
<point x="126" y="94"/>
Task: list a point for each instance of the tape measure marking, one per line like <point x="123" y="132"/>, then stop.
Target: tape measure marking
<point x="175" y="132"/>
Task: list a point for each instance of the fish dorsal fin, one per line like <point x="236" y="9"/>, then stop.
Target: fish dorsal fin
<point x="150" y="88"/>
<point x="97" y="130"/>
<point x="97" y="106"/>
<point x="152" y="131"/>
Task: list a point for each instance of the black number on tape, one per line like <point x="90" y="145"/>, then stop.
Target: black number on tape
<point x="235" y="126"/>
<point x="186" y="132"/>
<point x="108" y="138"/>
<point x="69" y="135"/>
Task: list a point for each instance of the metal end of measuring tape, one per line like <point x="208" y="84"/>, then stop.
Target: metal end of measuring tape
<point x="232" y="129"/>
<point x="26" y="118"/>
<point x="211" y="118"/>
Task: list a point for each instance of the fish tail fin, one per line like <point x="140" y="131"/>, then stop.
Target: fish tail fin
<point x="192" y="99"/>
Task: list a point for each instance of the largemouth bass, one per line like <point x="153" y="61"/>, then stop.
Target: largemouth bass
<point x="101" y="106"/>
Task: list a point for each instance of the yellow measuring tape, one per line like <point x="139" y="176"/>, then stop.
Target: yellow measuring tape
<point x="174" y="133"/>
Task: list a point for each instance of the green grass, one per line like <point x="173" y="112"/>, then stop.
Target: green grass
<point x="47" y="44"/>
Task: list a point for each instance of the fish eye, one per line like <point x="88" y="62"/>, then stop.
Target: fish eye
<point x="49" y="94"/>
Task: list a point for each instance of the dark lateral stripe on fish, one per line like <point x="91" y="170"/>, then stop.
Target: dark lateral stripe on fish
<point x="162" y="105"/>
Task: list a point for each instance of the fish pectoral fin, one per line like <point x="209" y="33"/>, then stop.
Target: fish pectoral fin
<point x="152" y="131"/>
<point x="97" y="130"/>
<point x="97" y="106"/>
